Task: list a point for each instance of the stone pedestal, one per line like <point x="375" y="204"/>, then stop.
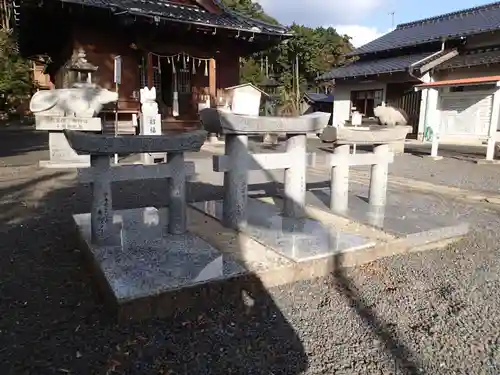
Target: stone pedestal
<point x="150" y="121"/>
<point x="61" y="153"/>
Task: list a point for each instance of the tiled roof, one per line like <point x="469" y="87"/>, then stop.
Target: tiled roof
<point x="319" y="97"/>
<point x="472" y="58"/>
<point x="185" y="13"/>
<point x="378" y="66"/>
<point x="451" y="25"/>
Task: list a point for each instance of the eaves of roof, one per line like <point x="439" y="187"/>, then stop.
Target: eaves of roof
<point x="363" y="68"/>
<point x="319" y="97"/>
<point x="183" y="13"/>
<point x="472" y="58"/>
<point x="454" y="25"/>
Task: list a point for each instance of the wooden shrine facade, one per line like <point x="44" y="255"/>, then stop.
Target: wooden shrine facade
<point x="188" y="50"/>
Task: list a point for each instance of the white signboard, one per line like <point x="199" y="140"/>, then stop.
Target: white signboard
<point x="151" y="125"/>
<point x="70" y="123"/>
<point x="118" y="70"/>
<point x="246" y="103"/>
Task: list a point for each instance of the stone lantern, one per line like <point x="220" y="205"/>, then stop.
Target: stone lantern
<point x="270" y="86"/>
<point x="81" y="69"/>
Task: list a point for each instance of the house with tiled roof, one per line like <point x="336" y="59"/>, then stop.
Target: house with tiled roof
<point x="316" y="102"/>
<point x="443" y="71"/>
<point x="188" y="50"/>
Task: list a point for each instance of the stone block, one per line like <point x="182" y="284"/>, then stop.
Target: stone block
<point x="61" y="152"/>
<point x="48" y="122"/>
<point x="297" y="239"/>
<point x="97" y="144"/>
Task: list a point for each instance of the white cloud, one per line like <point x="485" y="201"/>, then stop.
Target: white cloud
<point x="319" y="12"/>
<point x="360" y="35"/>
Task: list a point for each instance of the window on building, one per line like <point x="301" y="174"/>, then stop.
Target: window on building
<point x="467" y="88"/>
<point x="364" y="101"/>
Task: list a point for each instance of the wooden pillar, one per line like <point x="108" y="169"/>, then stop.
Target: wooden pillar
<point x="212" y="81"/>
<point x="212" y="89"/>
<point x="149" y="70"/>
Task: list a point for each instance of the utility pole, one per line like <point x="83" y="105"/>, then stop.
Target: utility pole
<point x="297" y="79"/>
<point x="392" y="18"/>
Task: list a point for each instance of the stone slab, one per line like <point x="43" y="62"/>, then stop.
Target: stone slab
<point x="365" y="135"/>
<point x="101" y="144"/>
<point x="144" y="260"/>
<point x="263" y="161"/>
<point x="63" y="164"/>
<point x="61" y="152"/>
<point x="232" y="123"/>
<point x="263" y="267"/>
<point x="48" y="122"/>
<point x="405" y="212"/>
<point x="486" y="161"/>
<point x="297" y="239"/>
<point x="136" y="172"/>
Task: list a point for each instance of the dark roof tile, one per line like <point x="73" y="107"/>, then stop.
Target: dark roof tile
<point x="472" y="58"/>
<point x="185" y="13"/>
<point x="378" y="66"/>
<point x="319" y="97"/>
<point x="451" y="25"/>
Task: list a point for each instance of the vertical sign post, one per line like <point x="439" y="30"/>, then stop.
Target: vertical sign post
<point x="118" y="81"/>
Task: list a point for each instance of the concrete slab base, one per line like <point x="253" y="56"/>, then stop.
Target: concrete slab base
<point x="63" y="164"/>
<point x="405" y="212"/>
<point x="432" y="157"/>
<point x="298" y="240"/>
<point x="484" y="161"/>
<point x="145" y="272"/>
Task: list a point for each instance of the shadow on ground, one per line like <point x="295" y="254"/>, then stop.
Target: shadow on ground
<point x="19" y="141"/>
<point x="52" y="321"/>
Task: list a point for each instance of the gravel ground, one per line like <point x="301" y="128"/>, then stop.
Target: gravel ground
<point x="424" y="313"/>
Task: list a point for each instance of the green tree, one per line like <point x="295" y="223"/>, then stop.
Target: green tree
<point x="317" y="50"/>
<point x="250" y="9"/>
<point x="16" y="77"/>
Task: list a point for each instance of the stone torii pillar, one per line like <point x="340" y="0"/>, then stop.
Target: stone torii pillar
<point x="340" y="162"/>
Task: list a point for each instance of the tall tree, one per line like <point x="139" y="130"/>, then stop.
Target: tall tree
<point x="317" y="49"/>
<point x="16" y="82"/>
<point x="249" y="8"/>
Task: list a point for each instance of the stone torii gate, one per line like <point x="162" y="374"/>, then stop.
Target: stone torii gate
<point x="101" y="174"/>
<point x="238" y="161"/>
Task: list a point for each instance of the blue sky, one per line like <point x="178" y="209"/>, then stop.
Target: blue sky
<point x="363" y="20"/>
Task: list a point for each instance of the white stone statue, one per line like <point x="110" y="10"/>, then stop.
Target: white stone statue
<point x="390" y="116"/>
<point x="83" y="101"/>
<point x="149" y="106"/>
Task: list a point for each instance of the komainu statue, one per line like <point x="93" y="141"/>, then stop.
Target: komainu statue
<point x="82" y="101"/>
<point x="390" y="116"/>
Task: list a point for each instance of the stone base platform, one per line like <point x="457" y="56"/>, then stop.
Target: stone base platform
<point x="145" y="272"/>
<point x="298" y="240"/>
<point x="407" y="214"/>
<point x="63" y="164"/>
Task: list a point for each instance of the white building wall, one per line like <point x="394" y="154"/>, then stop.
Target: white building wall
<point x="342" y="98"/>
<point x="431" y="116"/>
<point x="429" y="113"/>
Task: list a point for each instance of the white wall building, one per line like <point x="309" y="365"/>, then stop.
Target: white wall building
<point x="443" y="71"/>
